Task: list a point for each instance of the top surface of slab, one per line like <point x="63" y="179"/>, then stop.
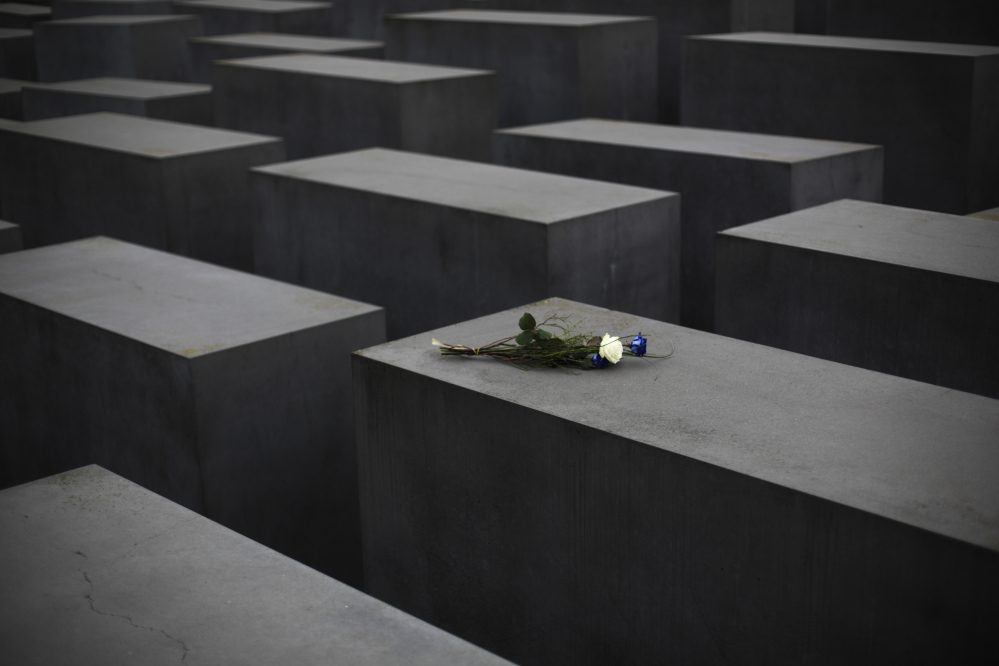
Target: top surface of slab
<point x="110" y="2"/>
<point x="19" y="9"/>
<point x="743" y="145"/>
<point x="170" y="302"/>
<point x="353" y="68"/>
<point x="485" y="188"/>
<point x="7" y="225"/>
<point x="520" y="18"/>
<point x="990" y="214"/>
<point x="860" y="43"/>
<point x="259" y="6"/>
<point x="912" y="452"/>
<point x="130" y="88"/>
<point x="9" y="33"/>
<point x="938" y="242"/>
<point x="273" y="40"/>
<point x="12" y="85"/>
<point x="101" y="572"/>
<point x="158" y="139"/>
<point x="121" y="20"/>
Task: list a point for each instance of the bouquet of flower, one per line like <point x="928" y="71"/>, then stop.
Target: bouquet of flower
<point x="537" y="348"/>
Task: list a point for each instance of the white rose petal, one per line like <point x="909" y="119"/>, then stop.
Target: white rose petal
<point x="610" y="348"/>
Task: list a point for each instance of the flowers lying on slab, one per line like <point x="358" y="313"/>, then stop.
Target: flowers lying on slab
<point x="538" y="348"/>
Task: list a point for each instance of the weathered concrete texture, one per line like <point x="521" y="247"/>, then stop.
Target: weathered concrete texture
<point x="179" y="188"/>
<point x="725" y="179"/>
<point x="329" y="104"/>
<point x="227" y="17"/>
<point x="206" y="50"/>
<point x="101" y="572"/>
<point x="733" y="504"/>
<point x="225" y="392"/>
<point x="991" y="214"/>
<point x="139" y="47"/>
<point x="67" y="9"/>
<point x="179" y="102"/>
<point x="936" y="121"/>
<point x="20" y="16"/>
<point x="10" y="238"/>
<point x="959" y="21"/>
<point x="437" y="241"/>
<point x="17" y="54"/>
<point x="549" y="66"/>
<point x="11" y="106"/>
<point x="901" y="291"/>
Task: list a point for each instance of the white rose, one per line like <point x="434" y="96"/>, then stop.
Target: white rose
<point x="610" y="348"/>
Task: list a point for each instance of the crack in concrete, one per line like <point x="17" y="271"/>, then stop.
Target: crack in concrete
<point x="90" y="600"/>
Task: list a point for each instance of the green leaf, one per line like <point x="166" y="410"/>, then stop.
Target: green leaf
<point x="525" y="337"/>
<point x="527" y="323"/>
<point x="542" y="334"/>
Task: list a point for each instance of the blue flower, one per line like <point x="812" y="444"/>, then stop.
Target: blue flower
<point x="600" y="362"/>
<point x="638" y="345"/>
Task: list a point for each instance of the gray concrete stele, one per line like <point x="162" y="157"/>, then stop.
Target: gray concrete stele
<point x="436" y="241"/>
<point x="225" y="392"/>
<point x="176" y="187"/>
<point x="101" y="572"/>
<point x="17" y="54"/>
<point x="932" y="106"/>
<point x="21" y="16"/>
<point x="550" y="66"/>
<point x="902" y="291"/>
<point x="229" y="17"/>
<point x="725" y="179"/>
<point x="10" y="238"/>
<point x="67" y="9"/>
<point x="733" y="504"/>
<point x="330" y="104"/>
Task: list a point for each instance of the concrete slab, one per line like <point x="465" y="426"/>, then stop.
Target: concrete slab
<point x="437" y="240"/>
<point x="17" y="54"/>
<point x="223" y="391"/>
<point x="98" y="570"/>
<point x="550" y="66"/>
<point x="20" y="16"/>
<point x="206" y="50"/>
<point x="901" y="291"/>
<point x="11" y="106"/>
<point x="228" y="17"/>
<point x="733" y="503"/>
<point x="331" y="104"/>
<point x="10" y="238"/>
<point x="991" y="214"/>
<point x="139" y="47"/>
<point x="725" y="179"/>
<point x="179" y="102"/>
<point x="179" y="188"/>
<point x="936" y="121"/>
<point x="67" y="9"/>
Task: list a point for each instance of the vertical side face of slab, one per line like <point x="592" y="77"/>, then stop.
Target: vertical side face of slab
<point x="67" y="52"/>
<point x="10" y="238"/>
<point x="278" y="454"/>
<point x="17" y="55"/>
<point x="41" y="104"/>
<point x="160" y="49"/>
<point x="923" y="119"/>
<point x="857" y="175"/>
<point x="449" y="117"/>
<point x="619" y="66"/>
<point x="104" y="389"/>
<point x="983" y="191"/>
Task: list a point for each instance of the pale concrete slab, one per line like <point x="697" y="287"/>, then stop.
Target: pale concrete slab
<point x="228" y="17"/>
<point x="714" y="504"/>
<point x="223" y="391"/>
<point x="991" y="214"/>
<point x="20" y="16"/>
<point x="10" y="238"/>
<point x="437" y="240"/>
<point x="66" y="9"/>
<point x="11" y="106"/>
<point x="162" y="100"/>
<point x="99" y="571"/>
<point x="17" y="54"/>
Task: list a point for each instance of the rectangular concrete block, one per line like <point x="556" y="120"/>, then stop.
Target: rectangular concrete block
<point x="991" y="214"/>
<point x="330" y="104"/>
<point x="11" y="106"/>
<point x="179" y="188"/>
<point x="179" y="102"/>
<point x="223" y="391"/>
<point x="17" y="54"/>
<point x="138" y="47"/>
<point x="22" y="16"/>
<point x="936" y="120"/>
<point x="67" y="9"/>
<point x="732" y="504"/>
<point x="550" y="66"/>
<point x="436" y="241"/>
<point x="901" y="291"/>
<point x="725" y="179"/>
<point x="99" y="571"/>
<point x="228" y="17"/>
<point x="206" y="50"/>
<point x="10" y="238"/>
